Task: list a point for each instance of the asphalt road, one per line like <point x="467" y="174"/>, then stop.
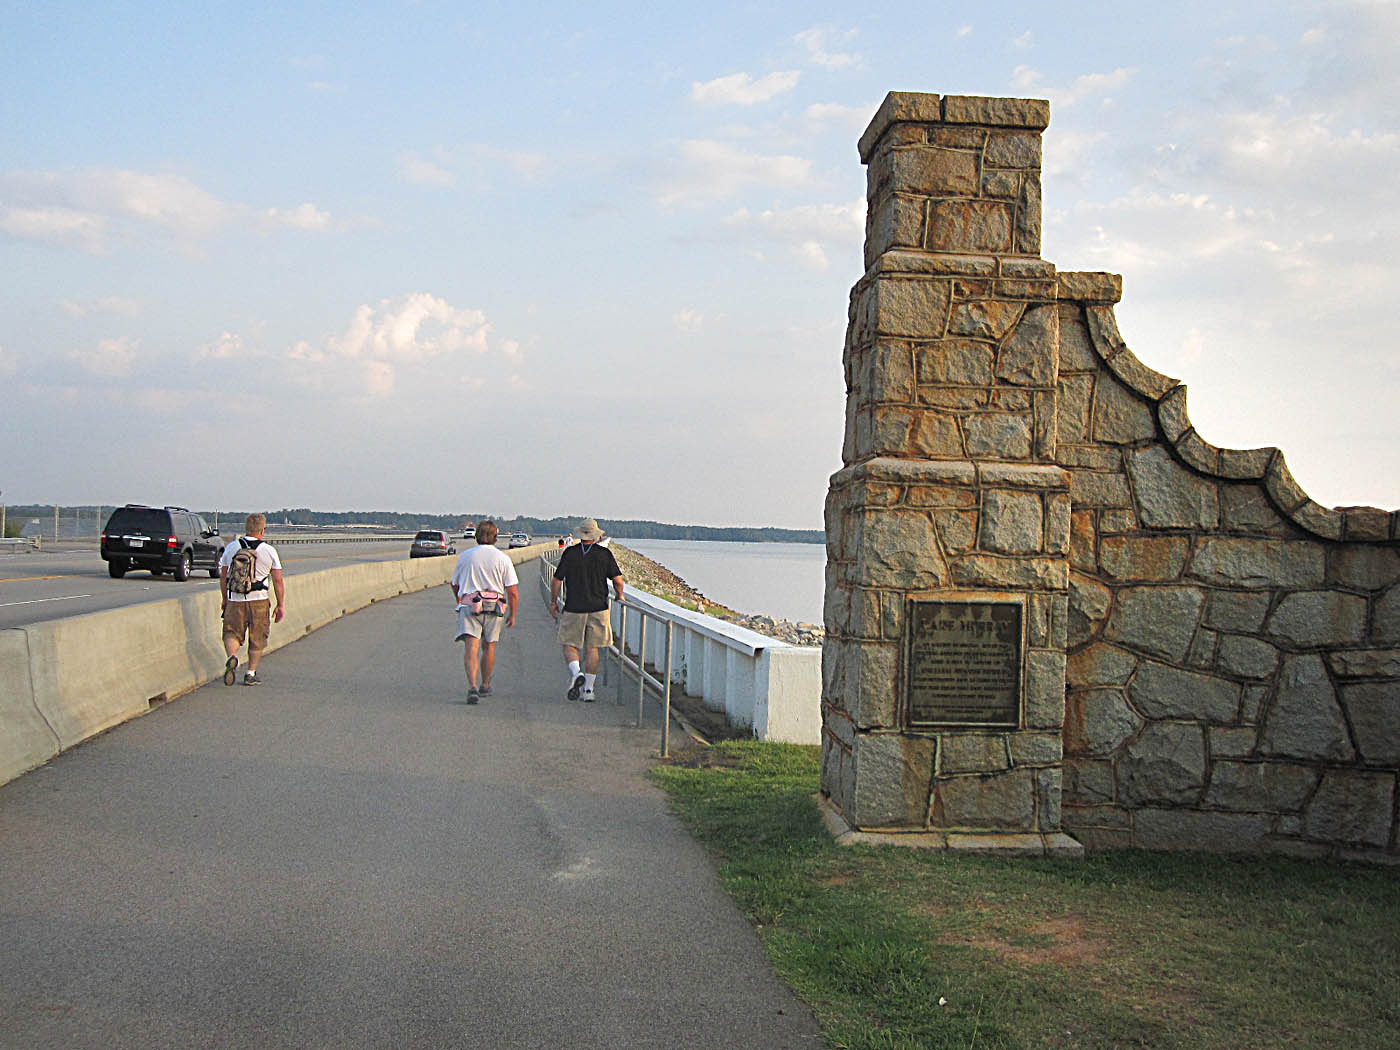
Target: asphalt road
<point x="349" y="857"/>
<point x="71" y="578"/>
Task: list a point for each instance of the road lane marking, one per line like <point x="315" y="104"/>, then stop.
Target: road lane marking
<point x="36" y="601"/>
<point x="29" y="579"/>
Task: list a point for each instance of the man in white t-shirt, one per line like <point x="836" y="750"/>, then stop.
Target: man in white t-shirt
<point x="246" y="568"/>
<point x="485" y="591"/>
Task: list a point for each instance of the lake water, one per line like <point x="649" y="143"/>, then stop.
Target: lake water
<point x="782" y="580"/>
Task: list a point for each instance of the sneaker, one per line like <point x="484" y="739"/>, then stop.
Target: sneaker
<point x="251" y="678"/>
<point x="473" y="695"/>
<point x="485" y="690"/>
<point x="588" y="696"/>
<point x="577" y="688"/>
<point x="231" y="670"/>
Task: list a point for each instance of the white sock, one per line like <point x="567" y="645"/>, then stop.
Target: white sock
<point x="573" y="669"/>
<point x="588" y="682"/>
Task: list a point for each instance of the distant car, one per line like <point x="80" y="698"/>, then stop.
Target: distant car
<point x="519" y="539"/>
<point x="160" y="539"/>
<point x="469" y="533"/>
<point x="431" y="543"/>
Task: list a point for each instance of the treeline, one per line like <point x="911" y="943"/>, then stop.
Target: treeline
<point x="629" y="528"/>
<point x="539" y="527"/>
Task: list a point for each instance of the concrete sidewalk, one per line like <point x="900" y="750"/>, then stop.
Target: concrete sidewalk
<point x="348" y="856"/>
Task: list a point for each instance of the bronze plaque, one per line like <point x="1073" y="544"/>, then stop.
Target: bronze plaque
<point x="963" y="664"/>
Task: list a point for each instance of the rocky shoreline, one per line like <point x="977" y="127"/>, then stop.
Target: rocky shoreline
<point x="641" y="572"/>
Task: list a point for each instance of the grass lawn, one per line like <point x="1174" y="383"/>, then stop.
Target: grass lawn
<point x="904" y="948"/>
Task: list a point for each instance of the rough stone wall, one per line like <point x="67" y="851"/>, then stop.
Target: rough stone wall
<point x="1211" y="660"/>
<point x="1234" y="648"/>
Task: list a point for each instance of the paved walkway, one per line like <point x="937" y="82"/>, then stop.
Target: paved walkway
<point x="348" y="857"/>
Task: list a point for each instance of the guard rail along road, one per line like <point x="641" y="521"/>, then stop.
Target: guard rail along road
<point x="760" y="683"/>
<point x="63" y="681"/>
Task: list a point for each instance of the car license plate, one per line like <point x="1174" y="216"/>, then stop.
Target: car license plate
<point x="135" y="541"/>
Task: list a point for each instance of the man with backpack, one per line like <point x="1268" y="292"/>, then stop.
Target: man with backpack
<point x="485" y="591"/>
<point x="246" y="567"/>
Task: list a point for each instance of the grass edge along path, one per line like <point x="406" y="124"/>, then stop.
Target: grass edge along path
<point x="907" y="948"/>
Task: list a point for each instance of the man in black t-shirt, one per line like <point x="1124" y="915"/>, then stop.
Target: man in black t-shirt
<point x="583" y="574"/>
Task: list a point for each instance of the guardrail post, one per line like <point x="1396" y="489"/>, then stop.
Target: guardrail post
<point x="666" y="711"/>
<point x="641" y="669"/>
<point x="621" y="651"/>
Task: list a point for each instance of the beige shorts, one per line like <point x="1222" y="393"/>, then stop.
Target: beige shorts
<point x="585" y="630"/>
<point x="253" y="619"/>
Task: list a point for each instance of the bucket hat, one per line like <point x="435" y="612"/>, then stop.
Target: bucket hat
<point x="588" y="530"/>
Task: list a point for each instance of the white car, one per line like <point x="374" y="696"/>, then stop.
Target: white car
<point x="519" y="539"/>
<point x="469" y="533"/>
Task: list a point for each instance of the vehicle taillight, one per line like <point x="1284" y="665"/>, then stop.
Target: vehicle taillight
<point x="104" y="537"/>
<point x="172" y="542"/>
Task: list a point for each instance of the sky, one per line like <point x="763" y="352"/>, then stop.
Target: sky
<point x="594" y="259"/>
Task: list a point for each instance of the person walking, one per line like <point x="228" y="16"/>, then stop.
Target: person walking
<point x="246" y="567"/>
<point x="486" y="591"/>
<point x="585" y="569"/>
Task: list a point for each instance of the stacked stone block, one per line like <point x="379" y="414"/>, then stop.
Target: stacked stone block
<point x="1211" y="659"/>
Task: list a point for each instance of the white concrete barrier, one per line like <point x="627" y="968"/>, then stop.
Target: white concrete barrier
<point x="767" y="685"/>
<point x="63" y="681"/>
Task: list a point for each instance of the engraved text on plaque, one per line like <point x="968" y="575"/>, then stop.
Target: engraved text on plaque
<point x="963" y="664"/>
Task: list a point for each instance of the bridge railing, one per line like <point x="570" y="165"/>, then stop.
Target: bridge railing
<point x="763" y="684"/>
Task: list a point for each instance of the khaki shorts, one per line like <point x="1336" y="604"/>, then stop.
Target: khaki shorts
<point x="253" y="619"/>
<point x="487" y="628"/>
<point x="585" y="630"/>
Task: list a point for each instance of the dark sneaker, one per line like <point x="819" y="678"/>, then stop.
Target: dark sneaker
<point x="473" y="695"/>
<point x="577" y="688"/>
<point x="251" y="678"/>
<point x="485" y="690"/>
<point x="231" y="670"/>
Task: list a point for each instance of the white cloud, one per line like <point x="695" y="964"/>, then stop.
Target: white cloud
<point x="855" y="118"/>
<point x="424" y="172"/>
<point x="710" y="170"/>
<point x="1025" y="41"/>
<point x="112" y="357"/>
<point x="85" y="209"/>
<point x="306" y="217"/>
<point x="1099" y="86"/>
<point x="229" y="345"/>
<point x="807" y="231"/>
<point x="53" y="225"/>
<point x="819" y="40"/>
<point x="740" y="89"/>
<point x="107" y="304"/>
<point x="688" y="320"/>
<point x="964" y="31"/>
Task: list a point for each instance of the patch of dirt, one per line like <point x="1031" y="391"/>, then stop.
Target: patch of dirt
<point x="1071" y="947"/>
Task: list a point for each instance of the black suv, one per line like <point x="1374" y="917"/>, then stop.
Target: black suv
<point x="162" y="539"/>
